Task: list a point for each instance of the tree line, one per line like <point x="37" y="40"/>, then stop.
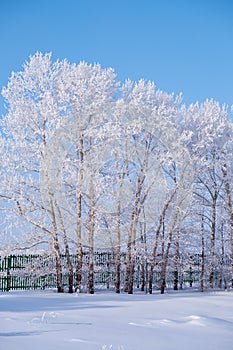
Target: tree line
<point x="89" y="164"/>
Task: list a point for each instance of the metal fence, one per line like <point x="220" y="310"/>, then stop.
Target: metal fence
<point x="21" y="272"/>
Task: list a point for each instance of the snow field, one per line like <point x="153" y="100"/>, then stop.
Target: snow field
<point x="183" y="320"/>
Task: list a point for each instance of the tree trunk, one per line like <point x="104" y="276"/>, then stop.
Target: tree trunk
<point x="164" y="264"/>
<point x="79" y="267"/>
<point x="176" y="271"/>
<point x="67" y="251"/>
<point x="79" y="242"/>
<point x="79" y="224"/>
<point x="144" y="258"/>
<point x="56" y="247"/>
<point x="143" y="274"/>
<point x="163" y="278"/>
<point x="118" y="251"/>
<point x="91" y="249"/>
<point x="202" y="257"/>
<point x="128" y="263"/>
<point x="70" y="266"/>
<point x="221" y="279"/>
<point x="132" y="267"/>
<point x="212" y="246"/>
<point x="118" y="271"/>
<point x="153" y="259"/>
<point x="130" y="254"/>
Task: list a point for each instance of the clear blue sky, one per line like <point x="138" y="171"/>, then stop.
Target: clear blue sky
<point x="183" y="46"/>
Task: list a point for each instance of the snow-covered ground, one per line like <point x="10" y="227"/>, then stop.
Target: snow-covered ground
<point x="46" y="320"/>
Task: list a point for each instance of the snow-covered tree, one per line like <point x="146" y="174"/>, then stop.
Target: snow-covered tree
<point x="89" y="165"/>
<point x="42" y="101"/>
<point x="208" y="126"/>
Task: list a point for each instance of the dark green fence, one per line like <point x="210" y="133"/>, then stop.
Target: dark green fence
<point x="21" y="272"/>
